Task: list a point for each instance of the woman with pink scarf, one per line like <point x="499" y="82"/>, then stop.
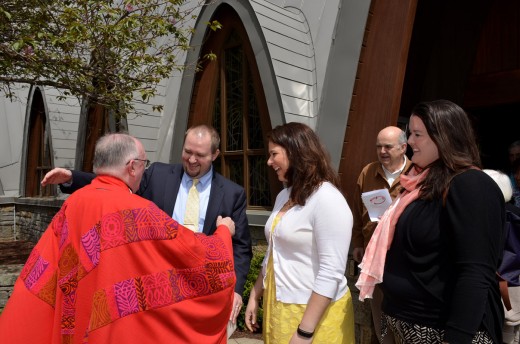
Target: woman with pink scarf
<point x="437" y="248"/>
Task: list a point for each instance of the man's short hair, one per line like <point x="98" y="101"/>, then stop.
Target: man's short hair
<point x="402" y="137"/>
<point x="514" y="144"/>
<point x="207" y="129"/>
<point x="114" y="150"/>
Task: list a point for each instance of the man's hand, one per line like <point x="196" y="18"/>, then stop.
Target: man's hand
<point x="57" y="175"/>
<point x="237" y="306"/>
<point x="230" y="224"/>
<point x="358" y="253"/>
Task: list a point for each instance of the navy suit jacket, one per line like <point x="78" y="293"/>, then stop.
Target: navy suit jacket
<point x="160" y="184"/>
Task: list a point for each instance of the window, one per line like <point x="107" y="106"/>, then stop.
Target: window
<point x="39" y="159"/>
<point x="228" y="94"/>
<point x="99" y="122"/>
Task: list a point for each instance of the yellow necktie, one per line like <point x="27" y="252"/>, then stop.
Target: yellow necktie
<point x="191" y="216"/>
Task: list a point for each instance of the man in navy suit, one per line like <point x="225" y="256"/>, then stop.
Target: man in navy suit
<point x="167" y="186"/>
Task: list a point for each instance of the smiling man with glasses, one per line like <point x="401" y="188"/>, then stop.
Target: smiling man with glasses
<point x="382" y="174"/>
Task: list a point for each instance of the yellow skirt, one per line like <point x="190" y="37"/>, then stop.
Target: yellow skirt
<point x="281" y="319"/>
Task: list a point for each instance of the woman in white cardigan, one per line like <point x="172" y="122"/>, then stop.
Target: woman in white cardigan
<point x="302" y="282"/>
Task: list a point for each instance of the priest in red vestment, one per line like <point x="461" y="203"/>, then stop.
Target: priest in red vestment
<point x="112" y="267"/>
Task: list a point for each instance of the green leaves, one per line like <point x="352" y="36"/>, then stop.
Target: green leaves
<point x="5" y="14"/>
<point x="114" y="53"/>
<point x="214" y="25"/>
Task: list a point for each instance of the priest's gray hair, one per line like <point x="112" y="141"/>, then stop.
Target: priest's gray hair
<point x="114" y="151"/>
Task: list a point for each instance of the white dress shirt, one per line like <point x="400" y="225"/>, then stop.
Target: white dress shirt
<point x="204" y="188"/>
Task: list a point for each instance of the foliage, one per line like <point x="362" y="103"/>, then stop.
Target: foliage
<point x="254" y="270"/>
<point x="107" y="51"/>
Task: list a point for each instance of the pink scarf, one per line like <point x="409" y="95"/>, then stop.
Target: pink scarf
<point x="373" y="264"/>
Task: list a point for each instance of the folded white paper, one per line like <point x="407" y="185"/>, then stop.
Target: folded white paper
<point x="376" y="202"/>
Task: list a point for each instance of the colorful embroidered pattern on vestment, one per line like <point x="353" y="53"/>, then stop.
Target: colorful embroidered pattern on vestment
<point x="125" y="227"/>
<point x="115" y="229"/>
<point x="158" y="290"/>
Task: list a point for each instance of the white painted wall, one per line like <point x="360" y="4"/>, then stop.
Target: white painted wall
<point x="11" y="139"/>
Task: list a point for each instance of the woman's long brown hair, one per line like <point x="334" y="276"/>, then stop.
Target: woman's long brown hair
<point x="309" y="161"/>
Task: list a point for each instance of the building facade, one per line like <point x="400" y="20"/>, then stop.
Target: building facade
<point x="347" y="68"/>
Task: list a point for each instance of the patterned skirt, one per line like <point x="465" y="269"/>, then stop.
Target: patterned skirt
<point x="409" y="333"/>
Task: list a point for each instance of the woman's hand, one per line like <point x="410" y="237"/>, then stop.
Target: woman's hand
<point x="253" y="304"/>
<point x="250" y="315"/>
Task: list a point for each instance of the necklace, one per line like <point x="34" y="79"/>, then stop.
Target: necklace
<point x="288" y="205"/>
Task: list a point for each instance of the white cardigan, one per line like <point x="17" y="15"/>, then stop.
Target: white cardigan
<point x="310" y="246"/>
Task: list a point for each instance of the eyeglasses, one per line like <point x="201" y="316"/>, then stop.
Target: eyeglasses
<point x="146" y="162"/>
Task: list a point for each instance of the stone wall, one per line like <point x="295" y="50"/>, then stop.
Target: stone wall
<point x="33" y="218"/>
<point x="7" y="222"/>
<point x="21" y="220"/>
<point x="8" y="275"/>
<point x="26" y="218"/>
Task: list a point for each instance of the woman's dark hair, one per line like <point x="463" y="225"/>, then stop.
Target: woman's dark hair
<point x="309" y="162"/>
<point x="450" y="129"/>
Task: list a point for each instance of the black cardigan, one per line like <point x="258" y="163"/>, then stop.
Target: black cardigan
<point x="440" y="271"/>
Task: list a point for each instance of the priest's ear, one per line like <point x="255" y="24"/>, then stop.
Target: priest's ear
<point x="130" y="168"/>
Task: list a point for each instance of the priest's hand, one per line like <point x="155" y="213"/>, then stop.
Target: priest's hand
<point x="237" y="306"/>
<point x="226" y="221"/>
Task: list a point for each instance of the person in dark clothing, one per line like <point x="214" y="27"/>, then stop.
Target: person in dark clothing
<point x="515" y="181"/>
<point x="438" y="246"/>
<point x="509" y="270"/>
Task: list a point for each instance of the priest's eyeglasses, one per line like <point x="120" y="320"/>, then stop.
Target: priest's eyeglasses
<point x="146" y="162"/>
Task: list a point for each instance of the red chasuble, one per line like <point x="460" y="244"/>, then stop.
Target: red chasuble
<point x="114" y="268"/>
